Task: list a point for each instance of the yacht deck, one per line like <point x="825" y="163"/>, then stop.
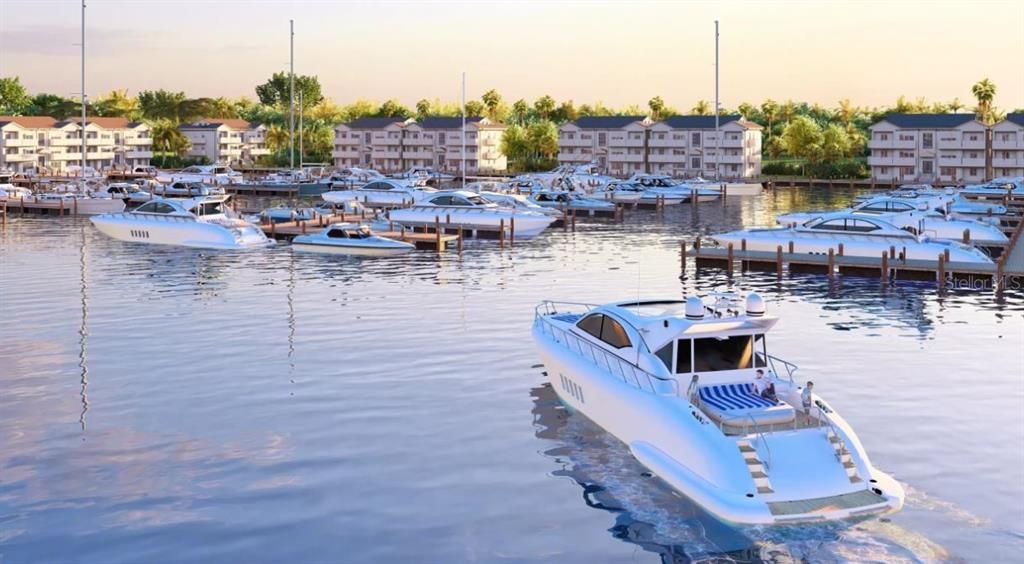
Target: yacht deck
<point x="864" y="498"/>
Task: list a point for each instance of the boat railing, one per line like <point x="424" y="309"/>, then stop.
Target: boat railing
<point x="162" y="217"/>
<point x="789" y="366"/>
<point x="624" y="369"/>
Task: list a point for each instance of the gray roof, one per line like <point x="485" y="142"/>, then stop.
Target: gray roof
<point x="1017" y="118"/>
<point x="373" y="122"/>
<point x="605" y="122"/>
<point x="698" y="122"/>
<point x="929" y="121"/>
<point x="445" y="122"/>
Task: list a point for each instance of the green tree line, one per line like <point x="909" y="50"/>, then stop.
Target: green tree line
<point x="799" y="134"/>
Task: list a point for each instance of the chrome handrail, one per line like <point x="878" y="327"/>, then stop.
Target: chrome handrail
<point x="627" y="371"/>
<point x="789" y="366"/>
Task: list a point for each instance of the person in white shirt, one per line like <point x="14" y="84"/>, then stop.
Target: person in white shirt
<point x="760" y="383"/>
<point x="806" y="397"/>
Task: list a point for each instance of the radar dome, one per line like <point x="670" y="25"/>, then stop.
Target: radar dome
<point x="694" y="308"/>
<point x="755" y="305"/>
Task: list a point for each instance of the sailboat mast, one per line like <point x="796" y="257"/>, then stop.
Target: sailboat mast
<point x="463" y="130"/>
<point x="291" y="95"/>
<point x="718" y="143"/>
<point x="83" y="94"/>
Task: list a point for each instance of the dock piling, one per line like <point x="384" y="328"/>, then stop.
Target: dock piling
<point x="831" y="262"/>
<point x="885" y="266"/>
<point x="501" y="234"/>
<point x="512" y="231"/>
<point x="459" y="244"/>
<point x="940" y="277"/>
<point x="791" y="247"/>
<point x="778" y="261"/>
<point x="682" y="257"/>
<point x="967" y="236"/>
<point x="437" y="234"/>
<point x="729" y="259"/>
<point x="840" y="253"/>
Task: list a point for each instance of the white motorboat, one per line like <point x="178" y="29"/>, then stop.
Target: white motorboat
<point x="204" y="222"/>
<point x="519" y="202"/>
<point x="620" y="192"/>
<point x="127" y="191"/>
<point x="11" y="192"/>
<point x="731" y="188"/>
<point x="283" y="213"/>
<point x="909" y="218"/>
<point x="386" y="192"/>
<point x="352" y="176"/>
<point x="82" y="204"/>
<point x="997" y="188"/>
<point x="425" y="175"/>
<point x="860" y="236"/>
<point x="187" y="189"/>
<point x="584" y="177"/>
<point x="351" y="239"/>
<point x="573" y="201"/>
<point x="216" y="175"/>
<point x="675" y="382"/>
<point x="470" y="211"/>
<point x="666" y="185"/>
<point x="948" y="202"/>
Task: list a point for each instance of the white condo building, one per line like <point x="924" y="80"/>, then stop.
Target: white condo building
<point x="1008" y="146"/>
<point x="226" y="141"/>
<point x="397" y="144"/>
<point x="679" y="145"/>
<point x="45" y="145"/>
<point x="928" y="148"/>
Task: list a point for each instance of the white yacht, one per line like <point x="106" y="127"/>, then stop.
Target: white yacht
<point x="909" y="218"/>
<point x="519" y="202"/>
<point x="204" y="222"/>
<point x="620" y="192"/>
<point x="127" y="191"/>
<point x="425" y="175"/>
<point x="351" y="239"/>
<point x="11" y="192"/>
<point x="385" y="192"/>
<point x="217" y="175"/>
<point x="187" y="189"/>
<point x="861" y="236"/>
<point x="470" y="211"/>
<point x="997" y="188"/>
<point x="665" y="184"/>
<point x="560" y="199"/>
<point x="949" y="202"/>
<point x="81" y="203"/>
<point x="675" y="381"/>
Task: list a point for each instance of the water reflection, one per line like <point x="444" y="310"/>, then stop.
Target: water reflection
<point x="83" y="331"/>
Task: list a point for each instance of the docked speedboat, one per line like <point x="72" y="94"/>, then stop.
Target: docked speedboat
<point x="859" y="235"/>
<point x="352" y="176"/>
<point x="675" y="381"/>
<point x="620" y="192"/>
<point x="11" y="192"/>
<point x="386" y="192"/>
<point x="217" y="175"/>
<point x="81" y="203"/>
<point x="187" y="189"/>
<point x="127" y="191"/>
<point x="283" y="213"/>
<point x="731" y="188"/>
<point x="948" y="202"/>
<point x="909" y="218"/>
<point x="469" y="211"/>
<point x="665" y="184"/>
<point x="997" y="188"/>
<point x="572" y="201"/>
<point x="204" y="222"/>
<point x="351" y="239"/>
<point x="519" y="202"/>
<point x="425" y="175"/>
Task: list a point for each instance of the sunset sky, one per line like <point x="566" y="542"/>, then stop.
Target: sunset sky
<point x="616" y="52"/>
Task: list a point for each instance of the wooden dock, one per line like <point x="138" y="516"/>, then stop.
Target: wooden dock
<point x="33" y="205"/>
<point x="892" y="264"/>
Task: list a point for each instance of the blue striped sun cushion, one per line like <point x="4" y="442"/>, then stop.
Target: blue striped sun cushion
<point x="567" y="317"/>
<point x="733" y="396"/>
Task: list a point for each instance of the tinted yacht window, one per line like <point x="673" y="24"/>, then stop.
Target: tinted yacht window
<point x="614" y="334"/>
<point x="592" y="324"/>
<point x="729" y="353"/>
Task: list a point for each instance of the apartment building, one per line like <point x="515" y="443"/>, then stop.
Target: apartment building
<point x="397" y="144"/>
<point x="680" y="145"/>
<point x="1008" y="146"/>
<point x="226" y="141"/>
<point x="928" y="148"/>
<point x="45" y="145"/>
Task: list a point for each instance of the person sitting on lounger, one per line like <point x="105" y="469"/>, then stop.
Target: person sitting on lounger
<point x="760" y="382"/>
<point x="768" y="392"/>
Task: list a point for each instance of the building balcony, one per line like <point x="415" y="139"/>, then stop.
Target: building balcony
<point x="667" y="158"/>
<point x="19" y="157"/>
<point x="65" y="142"/>
<point x="138" y="154"/>
<point x="1008" y="163"/>
<point x="20" y="142"/>
<point x="972" y="162"/>
<point x="1007" y="145"/>
<point x="67" y="157"/>
<point x="138" y="141"/>
<point x="626" y="158"/>
<point x="891" y="161"/>
<point x="667" y="142"/>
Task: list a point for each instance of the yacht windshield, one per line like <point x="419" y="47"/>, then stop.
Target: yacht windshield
<point x="714" y="354"/>
<point x="209" y="208"/>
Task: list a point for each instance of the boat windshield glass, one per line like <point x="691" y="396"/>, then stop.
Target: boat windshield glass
<point x="723" y="353"/>
<point x="155" y="207"/>
<point x="209" y="208"/>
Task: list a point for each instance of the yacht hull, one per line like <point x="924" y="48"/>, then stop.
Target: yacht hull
<point x="184" y="233"/>
<point x="526" y="224"/>
<point x="665" y="433"/>
<point x="379" y="247"/>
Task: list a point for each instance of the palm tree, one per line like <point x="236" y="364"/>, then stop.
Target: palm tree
<point x="985" y="92"/>
<point x="118" y="104"/>
<point x="956" y="105"/>
<point x="423" y="108"/>
<point x="520" y="108"/>
<point x="167" y="138"/>
<point x="657" y="106"/>
<point x="769" y="108"/>
<point x="276" y="138"/>
<point x="701" y="108"/>
<point x="846" y="112"/>
<point x="544" y="106"/>
<point x="492" y="100"/>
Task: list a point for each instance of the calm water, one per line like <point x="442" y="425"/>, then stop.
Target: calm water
<point x="173" y="405"/>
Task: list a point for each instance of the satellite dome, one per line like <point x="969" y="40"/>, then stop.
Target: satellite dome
<point x="755" y="305"/>
<point x="694" y="308"/>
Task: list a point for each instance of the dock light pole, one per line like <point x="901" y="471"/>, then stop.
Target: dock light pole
<point x="718" y="143"/>
<point x="463" y="130"/>
<point x="291" y="95"/>
<point x="301" y="107"/>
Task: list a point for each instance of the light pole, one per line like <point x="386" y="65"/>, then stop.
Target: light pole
<point x="718" y="143"/>
<point x="291" y="95"/>
<point x="82" y="172"/>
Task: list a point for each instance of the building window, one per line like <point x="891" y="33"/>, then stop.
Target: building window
<point x="972" y="171"/>
<point x="602" y="138"/>
<point x="695" y="139"/>
<point x="927" y="167"/>
<point x="927" y="140"/>
<point x="905" y="137"/>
